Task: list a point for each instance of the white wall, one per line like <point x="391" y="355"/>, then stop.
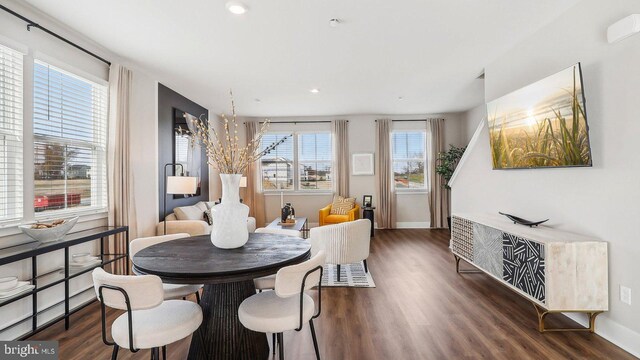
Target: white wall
<point x="470" y="121"/>
<point x="412" y="209"/>
<point x="602" y="201"/>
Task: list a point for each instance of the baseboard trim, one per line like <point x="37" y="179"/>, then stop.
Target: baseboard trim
<point x="612" y="331"/>
<point x="413" y="225"/>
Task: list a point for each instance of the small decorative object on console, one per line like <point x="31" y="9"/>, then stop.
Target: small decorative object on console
<point x="288" y="214"/>
<point x="521" y="221"/>
<point x="367" y="200"/>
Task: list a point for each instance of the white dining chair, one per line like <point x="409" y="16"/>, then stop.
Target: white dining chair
<point x="171" y="291"/>
<point x="288" y="307"/>
<point x="269" y="282"/>
<point x="344" y="243"/>
<point x="149" y="322"/>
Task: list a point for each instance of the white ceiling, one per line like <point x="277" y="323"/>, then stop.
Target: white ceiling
<point x="427" y="51"/>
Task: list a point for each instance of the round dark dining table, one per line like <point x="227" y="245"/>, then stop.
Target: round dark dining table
<point x="227" y="276"/>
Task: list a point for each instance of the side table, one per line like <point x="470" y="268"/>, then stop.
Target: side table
<point x="367" y="213"/>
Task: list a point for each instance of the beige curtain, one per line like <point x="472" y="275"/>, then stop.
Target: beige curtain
<point x="120" y="181"/>
<point x="438" y="194"/>
<point x="341" y="149"/>
<point x="385" y="193"/>
<point x="254" y="198"/>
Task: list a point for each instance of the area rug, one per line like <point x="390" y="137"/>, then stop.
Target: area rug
<point x="351" y="275"/>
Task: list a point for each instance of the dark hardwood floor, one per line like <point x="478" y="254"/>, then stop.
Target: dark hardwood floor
<point x="420" y="309"/>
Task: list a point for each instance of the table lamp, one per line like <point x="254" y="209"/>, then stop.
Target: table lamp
<point x="179" y="185"/>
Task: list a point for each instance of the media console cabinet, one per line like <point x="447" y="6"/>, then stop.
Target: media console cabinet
<point x="556" y="270"/>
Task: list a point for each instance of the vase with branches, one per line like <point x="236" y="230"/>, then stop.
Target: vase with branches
<point x="226" y="154"/>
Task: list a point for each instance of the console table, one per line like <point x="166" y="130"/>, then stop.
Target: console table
<point x="33" y="249"/>
<point x="556" y="270"/>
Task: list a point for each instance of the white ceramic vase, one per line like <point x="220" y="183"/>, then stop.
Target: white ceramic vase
<point x="229" y="228"/>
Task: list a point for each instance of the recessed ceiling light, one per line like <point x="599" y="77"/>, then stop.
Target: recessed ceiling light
<point x="236" y="7"/>
<point x="314" y="91"/>
<point x="334" y="22"/>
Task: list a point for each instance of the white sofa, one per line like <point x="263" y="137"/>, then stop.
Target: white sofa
<point x="190" y="220"/>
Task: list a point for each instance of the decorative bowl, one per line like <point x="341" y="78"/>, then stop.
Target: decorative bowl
<point x="49" y="234"/>
<point x="8" y="283"/>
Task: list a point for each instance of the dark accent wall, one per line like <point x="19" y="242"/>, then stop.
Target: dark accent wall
<point x="168" y="100"/>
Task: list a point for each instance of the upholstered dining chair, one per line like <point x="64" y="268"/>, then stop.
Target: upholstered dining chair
<point x="345" y="243"/>
<point x="269" y="282"/>
<point x="171" y="291"/>
<point x="149" y="322"/>
<point x="288" y="307"/>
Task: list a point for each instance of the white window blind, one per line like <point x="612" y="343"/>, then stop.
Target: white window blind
<point x="277" y="165"/>
<point x="11" y="135"/>
<point x="314" y="161"/>
<point x="70" y="141"/>
<point x="409" y="158"/>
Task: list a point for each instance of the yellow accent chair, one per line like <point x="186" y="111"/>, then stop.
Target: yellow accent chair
<point x="326" y="218"/>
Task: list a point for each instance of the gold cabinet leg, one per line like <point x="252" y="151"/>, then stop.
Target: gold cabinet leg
<point x="542" y="314"/>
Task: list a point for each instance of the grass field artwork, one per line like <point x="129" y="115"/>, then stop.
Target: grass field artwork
<point x="541" y="125"/>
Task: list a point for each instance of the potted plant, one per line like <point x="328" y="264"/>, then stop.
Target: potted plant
<point x="445" y="166"/>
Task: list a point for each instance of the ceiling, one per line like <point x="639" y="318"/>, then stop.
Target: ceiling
<point x="429" y="52"/>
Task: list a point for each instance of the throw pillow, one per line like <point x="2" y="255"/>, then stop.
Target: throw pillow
<point x="342" y="205"/>
<point x="208" y="217"/>
<point x="188" y="213"/>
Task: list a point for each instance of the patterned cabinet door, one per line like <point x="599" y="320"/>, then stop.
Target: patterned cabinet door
<point x="462" y="237"/>
<point x="487" y="249"/>
<point x="523" y="265"/>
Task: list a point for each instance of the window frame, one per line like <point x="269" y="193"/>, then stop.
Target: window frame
<point x="296" y="165"/>
<point x="84" y="144"/>
<point x="19" y="160"/>
<point x="425" y="160"/>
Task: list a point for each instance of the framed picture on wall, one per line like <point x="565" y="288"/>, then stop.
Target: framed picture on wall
<point x="362" y="164"/>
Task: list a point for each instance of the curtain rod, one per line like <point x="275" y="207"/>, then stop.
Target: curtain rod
<point x="412" y="120"/>
<point x="299" y="122"/>
<point x="31" y="24"/>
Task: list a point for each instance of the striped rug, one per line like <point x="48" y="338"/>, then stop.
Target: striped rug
<point x="351" y="275"/>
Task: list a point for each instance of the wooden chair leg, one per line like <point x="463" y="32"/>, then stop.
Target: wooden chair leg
<point x="364" y="262"/>
<point x="338" y="271"/>
<point x="280" y="347"/>
<point x="164" y="352"/>
<point x="198" y="296"/>
<point x="315" y="339"/>
<point x="114" y="354"/>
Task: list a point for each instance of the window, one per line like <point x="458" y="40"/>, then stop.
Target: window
<point x="408" y="153"/>
<point x="70" y="140"/>
<point x="11" y="136"/>
<point x="308" y="152"/>
<point x="314" y="161"/>
<point x="277" y="164"/>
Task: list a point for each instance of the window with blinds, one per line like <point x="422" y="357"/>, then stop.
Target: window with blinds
<point x="278" y="164"/>
<point x="314" y="161"/>
<point x="409" y="158"/>
<point x="11" y="135"/>
<point x="70" y="141"/>
<point x="297" y="161"/>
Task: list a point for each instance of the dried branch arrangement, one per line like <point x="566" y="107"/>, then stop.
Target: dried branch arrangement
<point x="224" y="152"/>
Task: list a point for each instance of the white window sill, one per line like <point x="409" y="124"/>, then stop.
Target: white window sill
<point x="11" y="228"/>
<point x="299" y="193"/>
<point x="412" y="192"/>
